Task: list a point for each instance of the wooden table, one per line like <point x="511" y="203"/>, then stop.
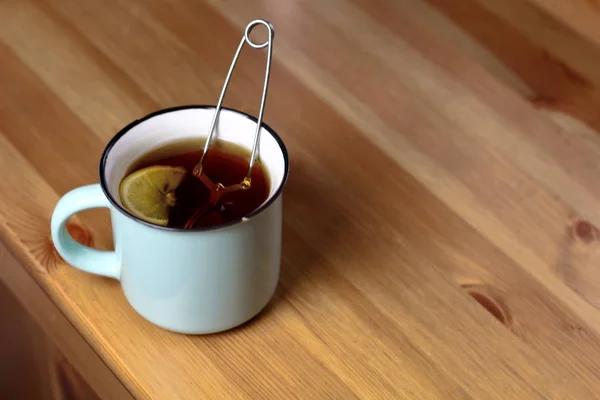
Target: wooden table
<point x="440" y="226"/>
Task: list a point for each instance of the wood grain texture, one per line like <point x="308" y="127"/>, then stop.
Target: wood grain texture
<point x="22" y="369"/>
<point x="32" y="367"/>
<point x="59" y="354"/>
<point x="441" y="219"/>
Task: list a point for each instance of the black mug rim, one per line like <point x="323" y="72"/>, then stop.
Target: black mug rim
<point x="127" y="128"/>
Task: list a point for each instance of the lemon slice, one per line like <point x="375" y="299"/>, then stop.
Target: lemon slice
<point x="149" y="193"/>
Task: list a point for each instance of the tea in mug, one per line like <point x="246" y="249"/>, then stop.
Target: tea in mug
<point x="160" y="188"/>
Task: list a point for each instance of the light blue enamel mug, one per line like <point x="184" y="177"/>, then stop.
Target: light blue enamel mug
<point x="191" y="281"/>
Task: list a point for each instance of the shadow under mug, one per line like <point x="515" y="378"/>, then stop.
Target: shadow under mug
<point x="191" y="281"/>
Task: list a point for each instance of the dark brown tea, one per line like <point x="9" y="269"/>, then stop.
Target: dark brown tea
<point x="225" y="163"/>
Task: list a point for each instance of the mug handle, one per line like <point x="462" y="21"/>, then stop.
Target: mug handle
<point x="100" y="262"/>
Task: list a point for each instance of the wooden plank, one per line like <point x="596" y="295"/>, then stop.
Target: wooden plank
<point x="557" y="66"/>
<point x="22" y="368"/>
<point x="439" y="230"/>
<point x="580" y="15"/>
<point x="64" y="336"/>
<point x="32" y="366"/>
<point x="445" y="163"/>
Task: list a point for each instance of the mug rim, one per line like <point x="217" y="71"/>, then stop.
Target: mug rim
<point x="131" y="125"/>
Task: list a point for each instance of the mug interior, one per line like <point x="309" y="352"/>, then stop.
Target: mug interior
<point x="165" y="126"/>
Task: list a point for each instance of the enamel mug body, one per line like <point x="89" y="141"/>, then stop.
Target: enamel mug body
<point x="189" y="281"/>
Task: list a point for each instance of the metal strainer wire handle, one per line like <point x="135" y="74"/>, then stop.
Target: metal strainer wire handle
<point x="217" y="190"/>
<point x="245" y="184"/>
